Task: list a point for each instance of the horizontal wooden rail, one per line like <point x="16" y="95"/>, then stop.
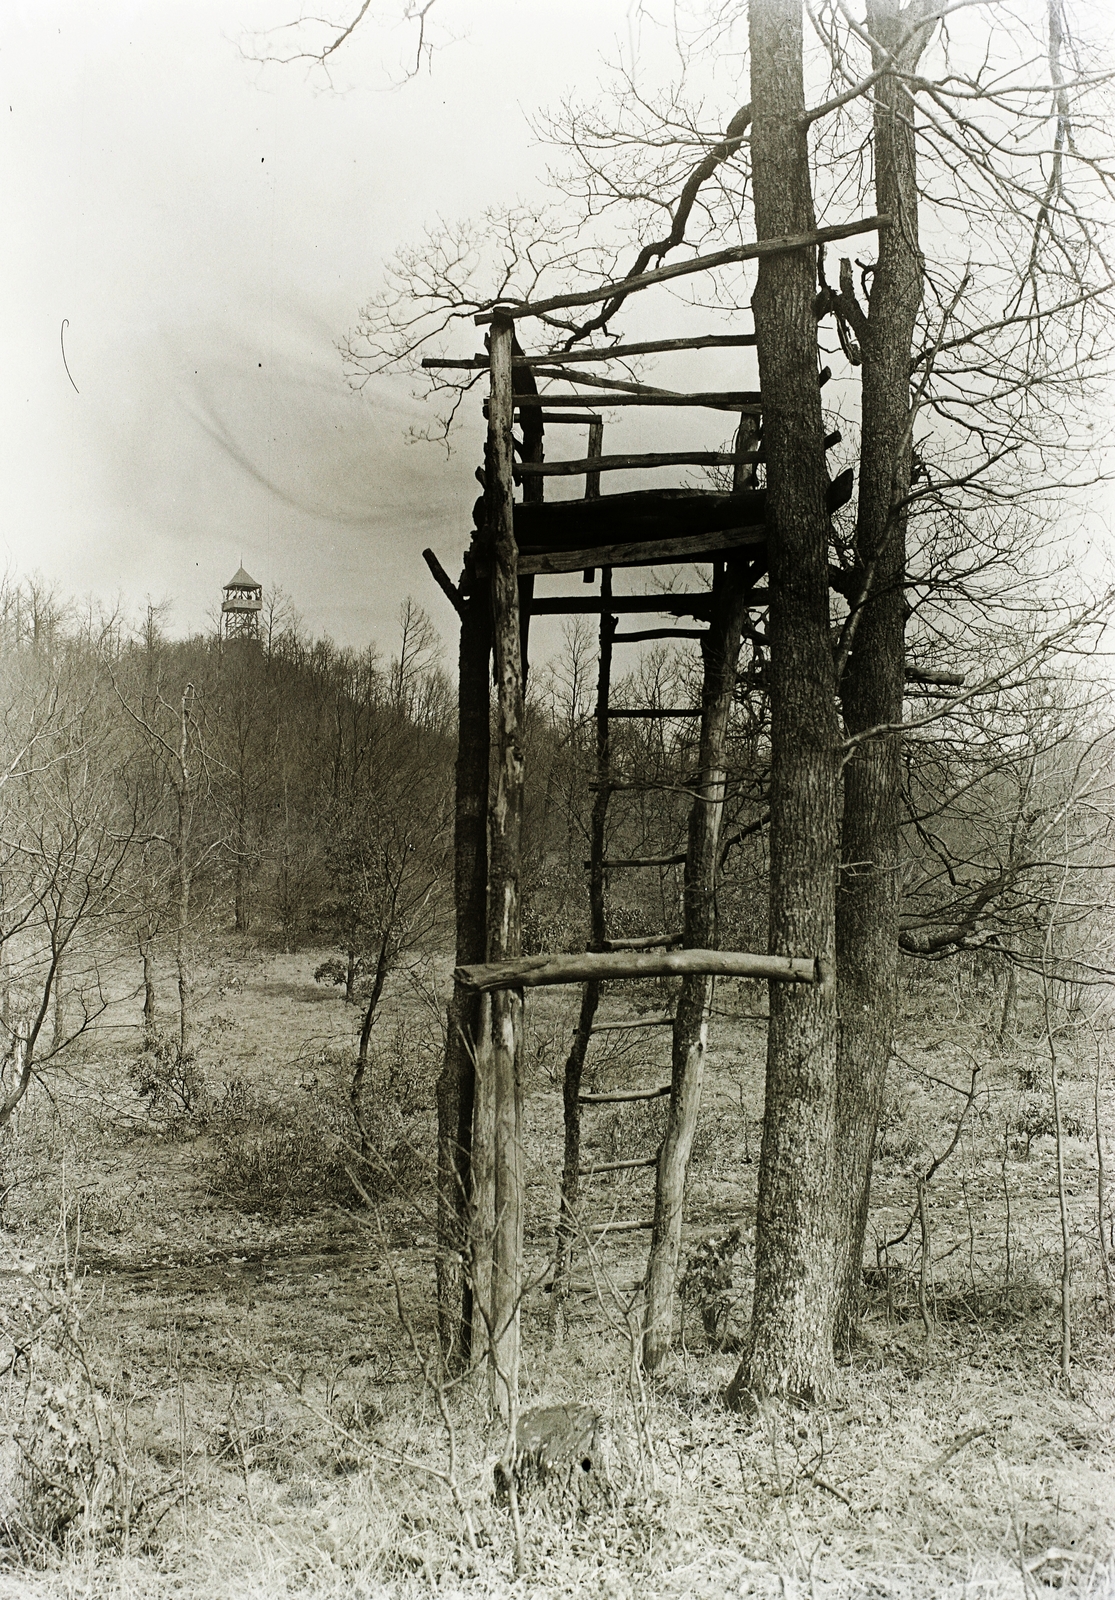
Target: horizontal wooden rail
<point x="610" y="1097"/>
<point x="643" y="634"/>
<point x="748" y="400"/>
<point x="680" y="605"/>
<point x="648" y="941"/>
<point x="551" y="420"/>
<point x="615" y="352"/>
<point x="654" y="711"/>
<point x="641" y="861"/>
<point x="658" y="458"/>
<point x="545" y="971"/>
<point x="617" y="1166"/>
<point x="648" y="553"/>
<point x="622" y="1227"/>
<point x="681" y="269"/>
<point x="635" y="1022"/>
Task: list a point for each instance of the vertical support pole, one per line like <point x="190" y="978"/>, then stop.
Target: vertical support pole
<point x="590" y="994"/>
<point x="457" y="1267"/>
<point x="721" y="649"/>
<point x="592" y="479"/>
<point x="502" y="1051"/>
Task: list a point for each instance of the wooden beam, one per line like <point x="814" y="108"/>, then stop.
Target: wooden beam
<point x="499" y="1056"/>
<point x="617" y="1096"/>
<point x="666" y="458"/>
<point x="560" y="605"/>
<point x="637" y="1022"/>
<point x="646" y="861"/>
<point x="444" y="582"/>
<point x="649" y="941"/>
<point x="622" y="1227"/>
<point x="640" y="636"/>
<point x="616" y="1166"/>
<point x="652" y="713"/>
<point x="715" y="399"/>
<point x="616" y="352"/>
<point x="949" y="680"/>
<point x="652" y="553"/>
<point x="546" y="971"/>
<point x="681" y="269"/>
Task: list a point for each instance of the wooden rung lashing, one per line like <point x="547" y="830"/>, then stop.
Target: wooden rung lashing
<point x="622" y="1227"/>
<point x="615" y="1096"/>
<point x="646" y="553"/>
<point x="650" y="941"/>
<point x="637" y="1022"/>
<point x="617" y="1166"/>
<point x="548" y="971"/>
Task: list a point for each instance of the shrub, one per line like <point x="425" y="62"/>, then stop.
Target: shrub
<point x="284" y="1156"/>
<point x="171" y="1080"/>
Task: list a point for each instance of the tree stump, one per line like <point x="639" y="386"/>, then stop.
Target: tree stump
<point x="558" y="1455"/>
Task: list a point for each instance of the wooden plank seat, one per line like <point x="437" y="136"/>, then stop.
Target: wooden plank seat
<point x="651" y="517"/>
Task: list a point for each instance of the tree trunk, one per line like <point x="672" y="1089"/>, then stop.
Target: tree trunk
<point x="872" y="690"/>
<point x="350" y="977"/>
<point x="456" y="1083"/>
<point x="356" y="1088"/>
<point x="790" y="1341"/>
<point x="150" y="1023"/>
<point x="58" y="1032"/>
<point x="182" y="963"/>
<point x="698" y="932"/>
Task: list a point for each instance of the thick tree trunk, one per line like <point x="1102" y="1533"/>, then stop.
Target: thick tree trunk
<point x="872" y="690"/>
<point x="456" y="1085"/>
<point x="790" y="1342"/>
<point x="698" y="932"/>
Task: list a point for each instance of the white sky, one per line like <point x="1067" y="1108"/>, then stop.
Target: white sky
<point x="208" y="230"/>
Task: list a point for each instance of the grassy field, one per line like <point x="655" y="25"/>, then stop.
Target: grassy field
<point x="218" y="1372"/>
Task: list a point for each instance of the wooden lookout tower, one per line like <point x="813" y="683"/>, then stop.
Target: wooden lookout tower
<point x="517" y="545"/>
<point x="241" y="607"/>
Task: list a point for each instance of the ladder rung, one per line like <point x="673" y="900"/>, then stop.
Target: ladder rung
<point x="612" y="1096"/>
<point x="639" y="1022"/>
<point x="650" y="941"/>
<point x="617" y="1166"/>
<point x="621" y="1227"/>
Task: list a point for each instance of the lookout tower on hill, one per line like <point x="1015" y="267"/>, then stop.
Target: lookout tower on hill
<point x="241" y="607"/>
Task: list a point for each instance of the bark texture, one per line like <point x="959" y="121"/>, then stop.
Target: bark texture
<point x="872" y="688"/>
<point x="790" y="1342"/>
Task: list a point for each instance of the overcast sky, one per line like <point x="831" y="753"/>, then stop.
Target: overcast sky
<point x="207" y="230"/>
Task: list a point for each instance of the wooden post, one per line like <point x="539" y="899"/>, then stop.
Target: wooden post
<point x="456" y="1263"/>
<point x="590" y="994"/>
<point x="501" y="1052"/>
<point x="721" y="652"/>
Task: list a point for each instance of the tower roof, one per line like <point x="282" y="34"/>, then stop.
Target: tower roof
<point x="242" y="580"/>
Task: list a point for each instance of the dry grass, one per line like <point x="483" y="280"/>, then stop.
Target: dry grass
<point x="227" y="1398"/>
